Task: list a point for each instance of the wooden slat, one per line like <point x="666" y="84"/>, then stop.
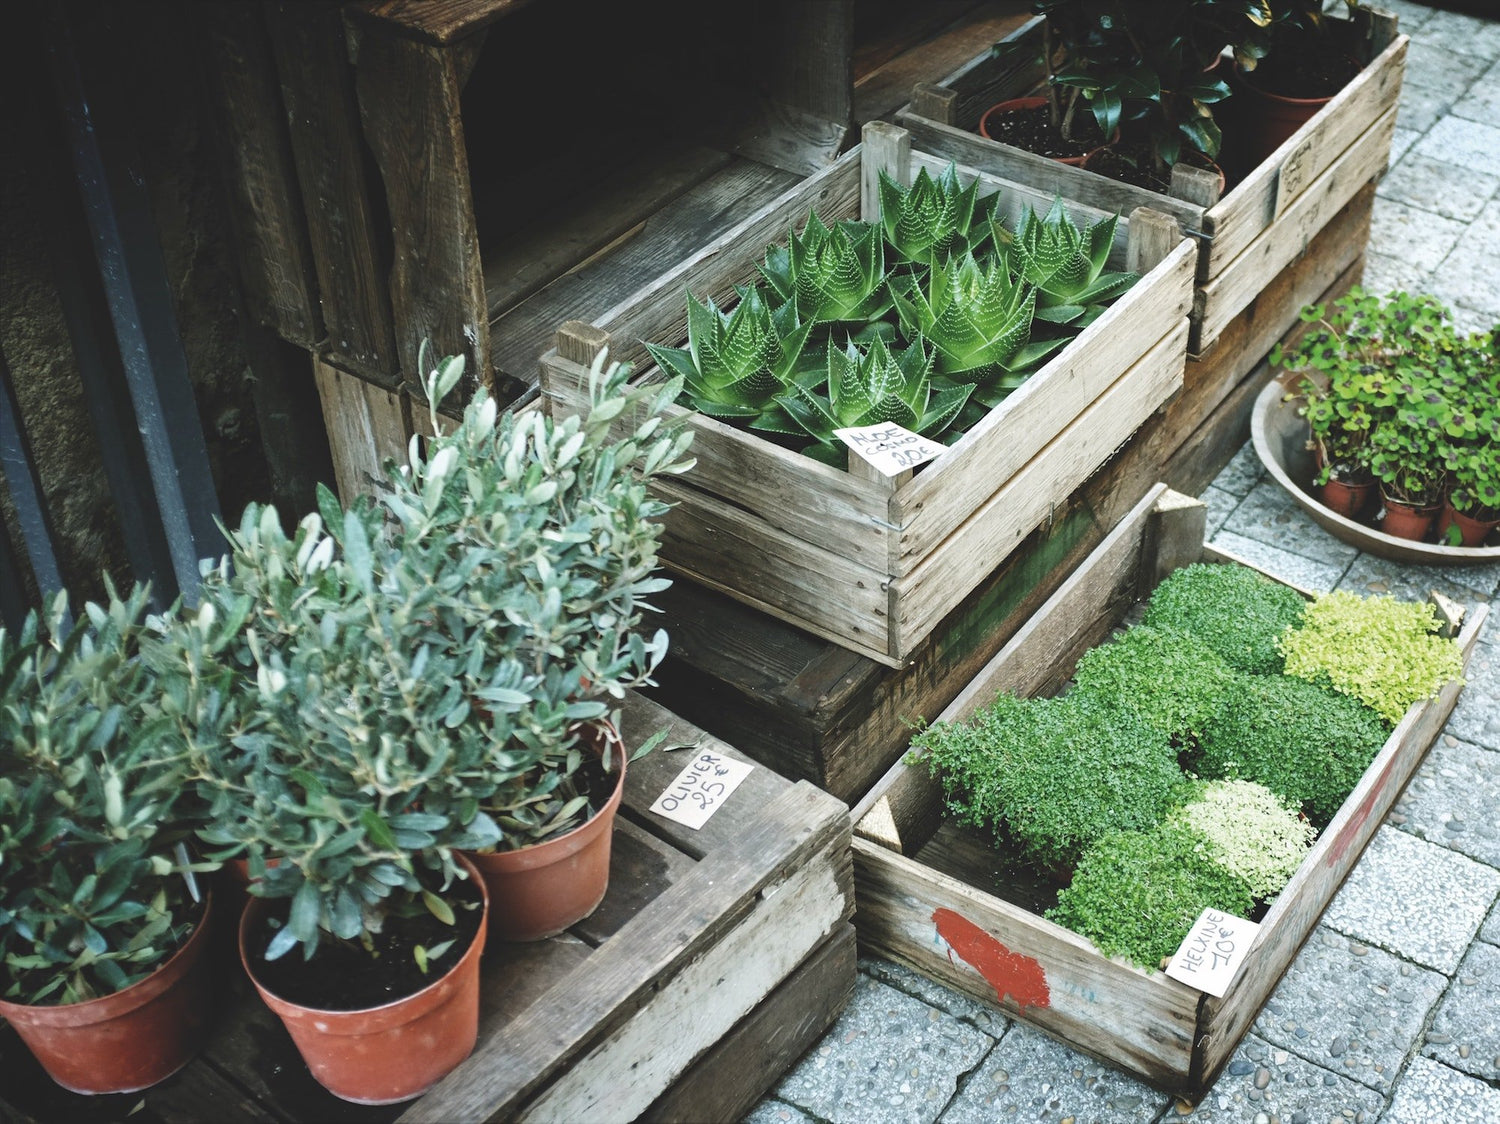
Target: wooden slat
<point x="274" y="256"/>
<point x="1105" y="1007"/>
<point x="939" y="499"/>
<point x="641" y="867"/>
<point x="317" y="90"/>
<point x="1298" y="907"/>
<point x="726" y="1083"/>
<point x="366" y="424"/>
<point x="1222" y="298"/>
<point x="881" y="90"/>
<point x="705" y="913"/>
<point x="409" y="103"/>
<point x="988" y="77"/>
<point x="1243" y="214"/>
<point x="436" y="21"/>
<point x="928" y="592"/>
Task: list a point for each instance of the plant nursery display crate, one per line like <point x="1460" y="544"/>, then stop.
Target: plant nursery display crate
<point x="1247" y="237"/>
<point x="923" y="882"/>
<point x="716" y="958"/>
<point x="874" y="565"/>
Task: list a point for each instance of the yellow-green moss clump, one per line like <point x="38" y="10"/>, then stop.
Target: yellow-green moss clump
<point x="1249" y="832"/>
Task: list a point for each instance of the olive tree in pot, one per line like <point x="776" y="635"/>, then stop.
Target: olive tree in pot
<point x="102" y="924"/>
<point x="541" y="537"/>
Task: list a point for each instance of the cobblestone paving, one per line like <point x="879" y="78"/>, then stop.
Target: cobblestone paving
<point x="1391" y="1012"/>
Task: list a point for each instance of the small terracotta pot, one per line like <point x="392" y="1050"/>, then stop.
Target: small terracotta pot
<point x="1407" y="521"/>
<point x="390" y="1053"/>
<point x="1348" y="500"/>
<point x="1013" y="104"/>
<point x="132" y="1039"/>
<point x="1265" y="120"/>
<point x="541" y="889"/>
<point x="1473" y="531"/>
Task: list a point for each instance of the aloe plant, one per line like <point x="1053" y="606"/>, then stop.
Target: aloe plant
<point x="934" y="219"/>
<point x="830" y="273"/>
<point x="736" y="362"/>
<point x="1065" y="263"/>
<point x="872" y="387"/>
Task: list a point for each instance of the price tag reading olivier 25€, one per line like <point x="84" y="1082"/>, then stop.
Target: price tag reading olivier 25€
<point x="1212" y="953"/>
<point x="701" y="788"/>
<point x="892" y="449"/>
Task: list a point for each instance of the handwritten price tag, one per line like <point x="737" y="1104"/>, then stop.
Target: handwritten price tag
<point x="701" y="789"/>
<point x="892" y="449"/>
<point x="1212" y="953"/>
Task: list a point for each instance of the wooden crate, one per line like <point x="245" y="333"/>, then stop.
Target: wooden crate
<point x="874" y="565"/>
<point x="1246" y="238"/>
<point x="918" y="877"/>
<point x="717" y="957"/>
<point x="809" y="708"/>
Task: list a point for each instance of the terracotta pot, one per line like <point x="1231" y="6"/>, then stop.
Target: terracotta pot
<point x="1405" y="520"/>
<point x="1021" y="104"/>
<point x="541" y="889"/>
<point x="1348" y="500"/>
<point x="1264" y="120"/>
<point x="390" y="1053"/>
<point x="1473" y="531"/>
<point x="132" y="1039"/>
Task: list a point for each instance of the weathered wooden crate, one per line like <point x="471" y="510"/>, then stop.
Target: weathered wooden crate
<point x="918" y="878"/>
<point x="874" y="565"/>
<point x="1246" y="238"/>
<point x="716" y="958"/>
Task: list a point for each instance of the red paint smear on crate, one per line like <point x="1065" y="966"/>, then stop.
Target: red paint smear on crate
<point x="1357" y="820"/>
<point x="1009" y="973"/>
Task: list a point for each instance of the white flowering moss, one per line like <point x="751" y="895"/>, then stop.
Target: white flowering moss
<point x="1249" y="832"/>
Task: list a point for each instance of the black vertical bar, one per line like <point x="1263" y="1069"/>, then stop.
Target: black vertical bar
<point x="26" y="491"/>
<point x="140" y="303"/>
<point x="12" y="596"/>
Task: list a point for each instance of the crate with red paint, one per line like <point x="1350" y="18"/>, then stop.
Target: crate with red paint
<point x="930" y="894"/>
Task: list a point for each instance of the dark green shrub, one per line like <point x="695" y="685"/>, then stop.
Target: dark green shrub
<point x="1304" y="742"/>
<point x="1236" y="611"/>
<point x="1136" y="894"/>
<point x="1054" y="774"/>
<point x="1172" y="682"/>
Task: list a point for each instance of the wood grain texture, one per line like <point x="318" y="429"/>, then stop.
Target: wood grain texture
<point x="881" y="90"/>
<point x="435" y="21"/>
<point x="366" y="425"/>
<point x="993" y="76"/>
<point x="317" y="93"/>
<point x="274" y="255"/>
<point x="409" y="103"/>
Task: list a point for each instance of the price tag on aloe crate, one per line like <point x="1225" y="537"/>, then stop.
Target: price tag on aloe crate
<point x="892" y="449"/>
<point x="701" y="789"/>
<point x="1212" y="953"/>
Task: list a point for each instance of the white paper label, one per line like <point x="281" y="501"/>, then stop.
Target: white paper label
<point x="1212" y="953"/>
<point x="892" y="449"/>
<point x="701" y="789"/>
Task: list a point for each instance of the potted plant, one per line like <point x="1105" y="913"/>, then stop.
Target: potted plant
<point x="103" y="924"/>
<point x="536" y="540"/>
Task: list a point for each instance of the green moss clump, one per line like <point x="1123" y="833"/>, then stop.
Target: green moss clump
<point x="1305" y="743"/>
<point x="1384" y="652"/>
<point x="1053" y="774"/>
<point x="1171" y="681"/>
<point x="1236" y="611"/>
<point x="1136" y="894"/>
<point x="1248" y="831"/>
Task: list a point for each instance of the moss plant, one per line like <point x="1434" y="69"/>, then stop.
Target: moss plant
<point x="1055" y="774"/>
<point x="1136" y="894"/>
<point x="1384" y="652"/>
<point x="1172" y="682"/>
<point x="1304" y="742"/>
<point x="1236" y="611"/>
<point x="1249" y="831"/>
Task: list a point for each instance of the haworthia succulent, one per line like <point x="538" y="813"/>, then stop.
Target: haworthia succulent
<point x="934" y="218"/>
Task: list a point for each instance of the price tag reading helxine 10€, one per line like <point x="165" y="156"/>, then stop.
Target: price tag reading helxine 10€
<point x="1212" y="953"/>
<point x="701" y="789"/>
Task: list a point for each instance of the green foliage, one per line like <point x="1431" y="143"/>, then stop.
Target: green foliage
<point x="93" y="808"/>
<point x="1234" y="610"/>
<point x="1249" y="832"/>
<point x="831" y="273"/>
<point x="879" y="386"/>
<point x="934" y="219"/>
<point x="1307" y="744"/>
<point x="1052" y="774"/>
<point x="1172" y="682"/>
<point x="1383" y="652"/>
<point x="1066" y="264"/>
<point x="1136" y="894"/>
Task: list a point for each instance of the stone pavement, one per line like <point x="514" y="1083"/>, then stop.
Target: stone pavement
<point x="1391" y="1012"/>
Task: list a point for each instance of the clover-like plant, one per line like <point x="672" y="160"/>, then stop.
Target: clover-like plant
<point x="832" y="273"/>
<point x="736" y="362"/>
<point x="934" y="219"/>
<point x="1065" y="263"/>
<point x="868" y="388"/>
